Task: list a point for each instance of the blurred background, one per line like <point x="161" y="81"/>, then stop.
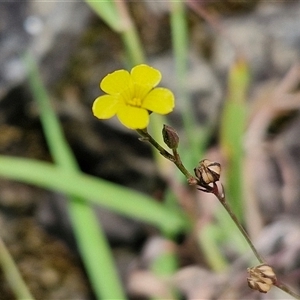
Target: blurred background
<point x="257" y="42"/>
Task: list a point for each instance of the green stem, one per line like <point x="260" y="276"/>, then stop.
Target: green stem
<point x="175" y="158"/>
<point x="180" y="165"/>
<point x="13" y="275"/>
<point x="148" y="138"/>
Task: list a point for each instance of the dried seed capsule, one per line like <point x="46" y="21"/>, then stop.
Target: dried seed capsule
<point x="267" y="272"/>
<point x="208" y="171"/>
<point x="262" y="278"/>
<point x="258" y="285"/>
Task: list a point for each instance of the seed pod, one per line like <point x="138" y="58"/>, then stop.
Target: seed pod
<point x="208" y="171"/>
<point x="262" y="278"/>
<point x="258" y="285"/>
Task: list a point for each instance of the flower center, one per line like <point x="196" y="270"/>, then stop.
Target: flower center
<point x="135" y="101"/>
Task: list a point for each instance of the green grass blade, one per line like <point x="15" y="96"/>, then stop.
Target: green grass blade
<point x="90" y="238"/>
<point x="180" y="46"/>
<point x="106" y="10"/>
<point x="112" y="196"/>
<point x="134" y="51"/>
<point x="115" y="14"/>
<point x="208" y="239"/>
<point x="13" y="275"/>
<point x="179" y="33"/>
<point x="57" y="144"/>
<point x="233" y="123"/>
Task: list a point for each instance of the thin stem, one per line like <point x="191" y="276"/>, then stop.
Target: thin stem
<point x="180" y="165"/>
<point x="222" y="199"/>
<point x="175" y="158"/>
<point x="287" y="290"/>
<point x="147" y="137"/>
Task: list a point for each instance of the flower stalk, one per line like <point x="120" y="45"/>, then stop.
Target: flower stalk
<point x="206" y="176"/>
<point x="284" y="288"/>
<point x="221" y="197"/>
<point x="132" y="97"/>
<point x="175" y="158"/>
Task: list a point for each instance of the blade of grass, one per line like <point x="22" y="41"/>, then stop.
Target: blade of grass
<point x="106" y="10"/>
<point x="179" y="34"/>
<point x="208" y="238"/>
<point x="180" y="45"/>
<point x="180" y="50"/>
<point x="233" y="121"/>
<point x="13" y="275"/>
<point x="91" y="241"/>
<point x="117" y="17"/>
<point x="232" y="132"/>
<point x="129" y="35"/>
<point x="112" y="196"/>
<point x="196" y="137"/>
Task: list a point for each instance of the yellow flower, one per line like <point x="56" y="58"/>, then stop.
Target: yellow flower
<point x="132" y="96"/>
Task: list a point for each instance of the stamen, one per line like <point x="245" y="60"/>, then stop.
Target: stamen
<point x="134" y="101"/>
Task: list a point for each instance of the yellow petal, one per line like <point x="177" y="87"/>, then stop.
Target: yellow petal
<point x="133" y="117"/>
<point x="105" y="107"/>
<point x="116" y="82"/>
<point x="145" y="75"/>
<point x="159" y="100"/>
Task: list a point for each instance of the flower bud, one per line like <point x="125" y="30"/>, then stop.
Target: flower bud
<point x="207" y="171"/>
<point x="261" y="278"/>
<point x="170" y="137"/>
